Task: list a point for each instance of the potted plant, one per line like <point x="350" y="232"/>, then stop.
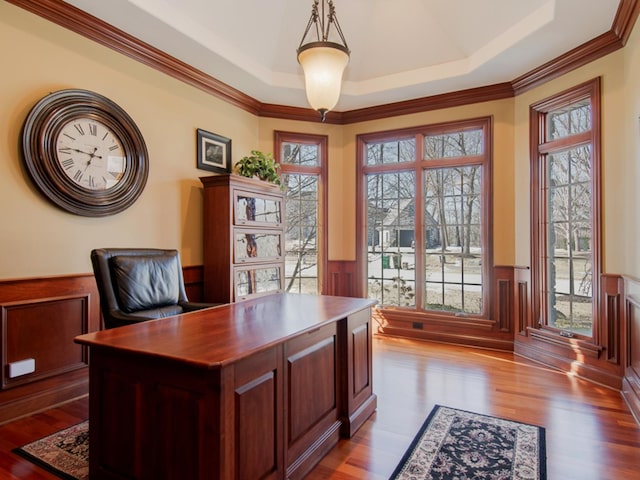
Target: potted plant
<point x="261" y="165"/>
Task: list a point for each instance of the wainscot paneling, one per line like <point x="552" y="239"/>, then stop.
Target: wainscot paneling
<point x="341" y="279"/>
<point x="194" y="282"/>
<point x="631" y="380"/>
<point x="599" y="359"/>
<point x="41" y="365"/>
<point x="495" y="331"/>
<point x="521" y="299"/>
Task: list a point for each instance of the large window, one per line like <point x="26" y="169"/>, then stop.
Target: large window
<point x="565" y="210"/>
<point x="303" y="163"/>
<point x="427" y="216"/>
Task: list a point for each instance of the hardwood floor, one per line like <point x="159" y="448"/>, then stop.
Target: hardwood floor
<point x="590" y="433"/>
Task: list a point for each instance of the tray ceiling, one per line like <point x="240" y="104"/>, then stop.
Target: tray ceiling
<point x="400" y="49"/>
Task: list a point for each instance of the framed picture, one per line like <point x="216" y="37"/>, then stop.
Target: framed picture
<point x="214" y="152"/>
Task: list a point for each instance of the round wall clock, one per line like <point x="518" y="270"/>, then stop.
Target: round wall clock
<point x="84" y="153"/>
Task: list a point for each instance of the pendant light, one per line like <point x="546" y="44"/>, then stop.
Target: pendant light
<point x="323" y="61"/>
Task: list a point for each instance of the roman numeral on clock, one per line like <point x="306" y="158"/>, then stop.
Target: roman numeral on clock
<point x="67" y="163"/>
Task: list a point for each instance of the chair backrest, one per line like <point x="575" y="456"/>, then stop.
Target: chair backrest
<point x="137" y="284"/>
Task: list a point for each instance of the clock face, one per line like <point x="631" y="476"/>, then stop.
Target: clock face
<point x="90" y="154"/>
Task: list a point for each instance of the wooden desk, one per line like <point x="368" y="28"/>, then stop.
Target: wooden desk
<point x="257" y="389"/>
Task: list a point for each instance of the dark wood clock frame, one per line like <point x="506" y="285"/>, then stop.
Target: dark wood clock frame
<point x="39" y="133"/>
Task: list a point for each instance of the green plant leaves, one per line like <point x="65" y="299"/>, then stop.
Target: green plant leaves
<point x="261" y="165"/>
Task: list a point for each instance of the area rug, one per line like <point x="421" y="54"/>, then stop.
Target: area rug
<point x="64" y="453"/>
<point x="455" y="444"/>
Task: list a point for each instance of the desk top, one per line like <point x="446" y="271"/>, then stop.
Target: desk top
<point x="217" y="336"/>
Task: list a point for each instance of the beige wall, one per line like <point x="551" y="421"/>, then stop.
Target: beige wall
<point x="37" y="239"/>
<point x="630" y="165"/>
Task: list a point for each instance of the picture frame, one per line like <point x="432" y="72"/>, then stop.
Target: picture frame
<point x="213" y="152"/>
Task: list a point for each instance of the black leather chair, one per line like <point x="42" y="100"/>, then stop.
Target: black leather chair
<point x="138" y="284"/>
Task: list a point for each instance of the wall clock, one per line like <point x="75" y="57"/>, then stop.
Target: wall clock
<point x="84" y="153"/>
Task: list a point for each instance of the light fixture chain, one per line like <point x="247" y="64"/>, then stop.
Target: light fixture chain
<point x="330" y="17"/>
<point x="334" y="19"/>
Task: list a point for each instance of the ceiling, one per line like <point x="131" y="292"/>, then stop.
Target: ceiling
<point x="400" y="49"/>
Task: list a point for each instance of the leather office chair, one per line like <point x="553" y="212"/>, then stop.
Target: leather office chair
<point x="138" y="284"/>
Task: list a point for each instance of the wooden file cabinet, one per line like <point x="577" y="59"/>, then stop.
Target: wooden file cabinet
<point x="243" y="238"/>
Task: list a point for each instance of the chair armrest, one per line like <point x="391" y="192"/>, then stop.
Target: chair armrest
<point x="119" y="318"/>
<point x="193" y="306"/>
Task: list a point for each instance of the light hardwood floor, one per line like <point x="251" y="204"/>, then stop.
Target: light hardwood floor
<point x="590" y="432"/>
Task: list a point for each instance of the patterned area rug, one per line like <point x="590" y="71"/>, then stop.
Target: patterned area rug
<point x="454" y="444"/>
<point x="65" y="453"/>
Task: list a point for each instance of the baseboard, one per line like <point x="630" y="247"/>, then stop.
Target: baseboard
<point x="632" y="397"/>
<point x="449" y="338"/>
<point x="353" y="423"/>
<point x="316" y="452"/>
<point x="564" y="364"/>
<point x="45" y="395"/>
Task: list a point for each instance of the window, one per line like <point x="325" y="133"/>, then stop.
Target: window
<point x="427" y="217"/>
<point x="565" y="210"/>
<point x="303" y="163"/>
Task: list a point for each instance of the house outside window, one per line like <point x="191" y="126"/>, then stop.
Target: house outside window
<point x="303" y="168"/>
<point x="426" y="198"/>
<point x="565" y="205"/>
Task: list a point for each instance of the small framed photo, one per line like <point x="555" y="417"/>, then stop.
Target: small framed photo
<point x="214" y="152"/>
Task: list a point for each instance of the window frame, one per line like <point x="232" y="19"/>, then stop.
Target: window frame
<point x="418" y="167"/>
<point x="540" y="147"/>
<point x="322" y="142"/>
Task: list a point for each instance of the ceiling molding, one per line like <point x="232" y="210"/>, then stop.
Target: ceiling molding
<point x="598" y="47"/>
<point x="586" y="53"/>
<point x="625" y="19"/>
<point x="298" y="113"/>
<point x="76" y="20"/>
<point x="497" y="91"/>
<point x="93" y="28"/>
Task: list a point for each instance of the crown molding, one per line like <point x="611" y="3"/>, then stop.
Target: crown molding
<point x="594" y="49"/>
<point x="435" y="102"/>
<point x="80" y="22"/>
<point x="587" y="52"/>
<point x="625" y="19"/>
<point x="298" y="113"/>
<point x="93" y="28"/>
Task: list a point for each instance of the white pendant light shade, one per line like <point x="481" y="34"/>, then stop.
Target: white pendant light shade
<point x="323" y="66"/>
<point x="323" y="61"/>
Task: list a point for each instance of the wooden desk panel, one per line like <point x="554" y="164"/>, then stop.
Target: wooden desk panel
<point x="256" y="389"/>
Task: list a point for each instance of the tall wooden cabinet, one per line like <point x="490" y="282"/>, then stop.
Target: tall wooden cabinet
<point x="243" y="238"/>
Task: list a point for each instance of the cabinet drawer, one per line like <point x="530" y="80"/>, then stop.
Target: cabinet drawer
<point x="257" y="280"/>
<point x="256" y="245"/>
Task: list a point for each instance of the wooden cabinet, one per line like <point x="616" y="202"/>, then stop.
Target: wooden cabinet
<point x="243" y="227"/>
